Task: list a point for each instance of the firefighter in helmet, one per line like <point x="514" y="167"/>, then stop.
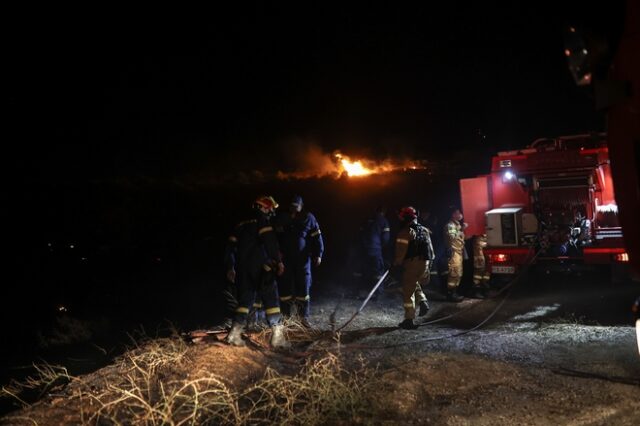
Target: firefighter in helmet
<point x="455" y="252"/>
<point x="302" y="244"/>
<point x="253" y="261"/>
<point x="413" y="254"/>
<point x="481" y="273"/>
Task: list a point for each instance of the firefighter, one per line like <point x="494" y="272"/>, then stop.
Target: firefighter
<point x="375" y="236"/>
<point x="481" y="273"/>
<point x="414" y="251"/>
<point x="455" y="252"/>
<point x="253" y="261"/>
<point x="302" y="244"/>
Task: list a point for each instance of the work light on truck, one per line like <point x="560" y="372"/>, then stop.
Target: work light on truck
<point x="500" y="258"/>
<point x="621" y="257"/>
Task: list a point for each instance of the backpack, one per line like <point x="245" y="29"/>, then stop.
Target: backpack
<point x="421" y="245"/>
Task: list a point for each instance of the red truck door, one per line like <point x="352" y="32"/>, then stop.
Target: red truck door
<point x="475" y="196"/>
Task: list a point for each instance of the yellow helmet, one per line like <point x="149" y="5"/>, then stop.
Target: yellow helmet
<point x="266" y="202"/>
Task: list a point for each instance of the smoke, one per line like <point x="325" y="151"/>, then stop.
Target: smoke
<point x="310" y="161"/>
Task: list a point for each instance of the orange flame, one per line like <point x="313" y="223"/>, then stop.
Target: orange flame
<point x="353" y="168"/>
<point x="314" y="162"/>
<point x="359" y="168"/>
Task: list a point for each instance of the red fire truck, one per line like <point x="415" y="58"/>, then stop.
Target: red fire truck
<point x="554" y="198"/>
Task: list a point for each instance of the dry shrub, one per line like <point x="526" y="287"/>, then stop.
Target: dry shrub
<point x="149" y="390"/>
<point x="173" y="402"/>
<point x="324" y="392"/>
<point x="45" y="378"/>
<point x="153" y="392"/>
<point x="155" y="383"/>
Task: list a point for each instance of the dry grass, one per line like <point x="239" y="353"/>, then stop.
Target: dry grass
<point x="152" y="394"/>
<point x="324" y="392"/>
<point x="156" y="383"/>
<point x="45" y="378"/>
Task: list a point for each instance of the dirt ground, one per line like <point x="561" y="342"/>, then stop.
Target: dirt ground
<point x="553" y="352"/>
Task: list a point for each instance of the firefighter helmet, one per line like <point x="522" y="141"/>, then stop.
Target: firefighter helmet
<point x="407" y="213"/>
<point x="266" y="202"/>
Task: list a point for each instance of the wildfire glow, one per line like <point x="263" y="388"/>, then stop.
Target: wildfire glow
<point x="353" y="168"/>
<point x="313" y="162"/>
<point x="359" y="168"/>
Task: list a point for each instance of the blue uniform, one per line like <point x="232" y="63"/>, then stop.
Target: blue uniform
<point x="375" y="236"/>
<point x="253" y="252"/>
<point x="300" y="240"/>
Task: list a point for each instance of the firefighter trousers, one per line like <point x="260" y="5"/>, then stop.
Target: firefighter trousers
<point x="481" y="274"/>
<point x="411" y="290"/>
<point x="295" y="285"/>
<point x="426" y="277"/>
<point x="257" y="285"/>
<point x="454" y="267"/>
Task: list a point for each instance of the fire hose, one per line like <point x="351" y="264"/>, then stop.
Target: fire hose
<point x="373" y="290"/>
<point x="507" y="288"/>
<point x="504" y="289"/>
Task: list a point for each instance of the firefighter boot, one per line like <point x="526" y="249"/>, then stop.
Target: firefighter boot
<point x="234" y="338"/>
<point x="453" y="296"/>
<point x="479" y="293"/>
<point x="278" y="339"/>
<point x="424" y="308"/>
<point x="408" y="324"/>
<point x="486" y="290"/>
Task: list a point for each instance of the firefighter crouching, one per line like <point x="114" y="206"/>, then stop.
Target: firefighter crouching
<point x="455" y="252"/>
<point x="253" y="261"/>
<point x="301" y="243"/>
<point x="413" y="254"/>
<point x="481" y="273"/>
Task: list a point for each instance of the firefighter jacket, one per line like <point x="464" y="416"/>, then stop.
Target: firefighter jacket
<point x="454" y="236"/>
<point x="253" y="243"/>
<point x="300" y="235"/>
<point x="413" y="241"/>
<point x="375" y="234"/>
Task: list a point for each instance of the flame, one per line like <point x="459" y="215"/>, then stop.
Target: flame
<point x="313" y="162"/>
<point x="353" y="168"/>
<point x="363" y="167"/>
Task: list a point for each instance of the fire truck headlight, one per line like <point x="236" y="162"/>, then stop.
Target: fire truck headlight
<point x="508" y="175"/>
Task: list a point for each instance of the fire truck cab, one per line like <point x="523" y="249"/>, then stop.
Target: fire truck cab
<point x="554" y="198"/>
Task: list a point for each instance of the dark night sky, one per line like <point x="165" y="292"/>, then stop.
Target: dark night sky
<point x="103" y="96"/>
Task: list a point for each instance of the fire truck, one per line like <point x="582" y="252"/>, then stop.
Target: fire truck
<point x="555" y="199"/>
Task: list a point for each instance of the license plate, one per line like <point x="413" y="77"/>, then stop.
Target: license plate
<point x="503" y="269"/>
